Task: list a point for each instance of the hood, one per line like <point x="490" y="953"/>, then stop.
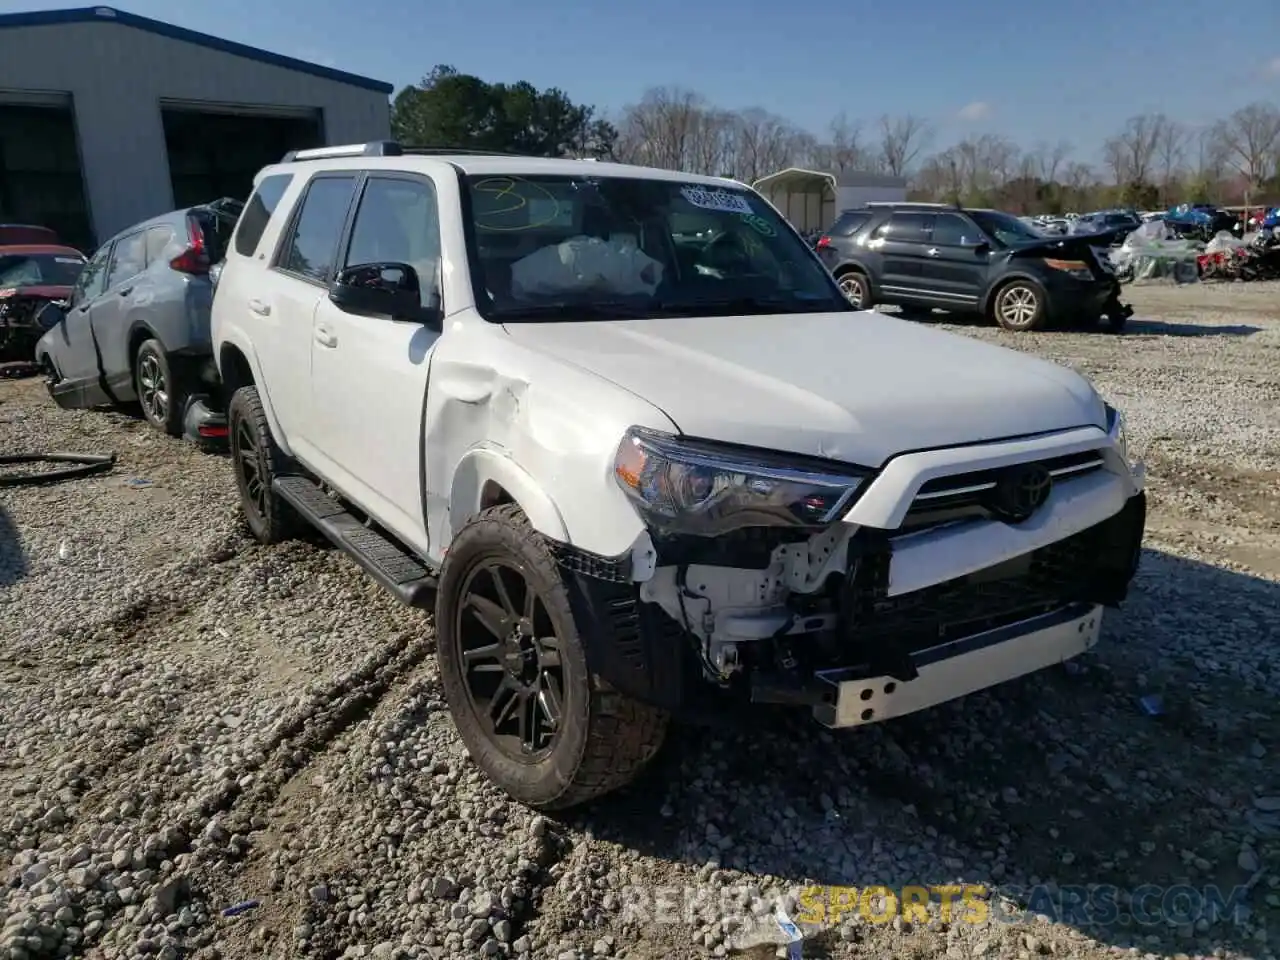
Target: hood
<point x="853" y="387"/>
<point x="34" y="290"/>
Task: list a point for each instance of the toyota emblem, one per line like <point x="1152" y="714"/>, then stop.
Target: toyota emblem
<point x="1021" y="492"/>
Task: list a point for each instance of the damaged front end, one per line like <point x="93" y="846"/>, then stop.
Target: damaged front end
<point x="754" y="583"/>
<point x="21" y="327"/>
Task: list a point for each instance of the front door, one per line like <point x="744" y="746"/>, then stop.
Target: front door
<point x="955" y="264"/>
<point x="74" y="353"/>
<point x="369" y="374"/>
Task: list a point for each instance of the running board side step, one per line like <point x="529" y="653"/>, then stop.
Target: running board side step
<point x="406" y="577"/>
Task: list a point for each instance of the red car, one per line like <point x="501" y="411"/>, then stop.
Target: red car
<point x="31" y="276"/>
<point x="13" y="234"/>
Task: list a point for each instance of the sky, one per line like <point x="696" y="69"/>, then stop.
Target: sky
<point x="1061" y="72"/>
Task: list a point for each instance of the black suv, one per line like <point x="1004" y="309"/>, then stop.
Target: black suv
<point x="971" y="261"/>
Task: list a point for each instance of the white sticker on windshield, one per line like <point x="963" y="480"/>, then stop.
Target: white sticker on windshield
<point x="725" y="201"/>
<point x="68" y="260"/>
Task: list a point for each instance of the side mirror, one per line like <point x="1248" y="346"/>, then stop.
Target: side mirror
<point x="389" y="290"/>
<point x="51" y="314"/>
<point x="981" y="248"/>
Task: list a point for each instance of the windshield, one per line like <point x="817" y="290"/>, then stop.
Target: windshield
<point x="1006" y="229"/>
<point x="39" y="269"/>
<point x="582" y="247"/>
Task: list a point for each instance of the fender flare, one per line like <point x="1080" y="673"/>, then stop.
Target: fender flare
<point x="245" y="349"/>
<point x="481" y="465"/>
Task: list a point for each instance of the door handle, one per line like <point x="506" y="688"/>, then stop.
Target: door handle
<point x="126" y="291"/>
<point x="325" y="338"/>
<point x="260" y="308"/>
<point x="932" y="251"/>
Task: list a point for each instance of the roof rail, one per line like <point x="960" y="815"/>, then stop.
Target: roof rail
<point x="909" y="203"/>
<point x="375" y="148"/>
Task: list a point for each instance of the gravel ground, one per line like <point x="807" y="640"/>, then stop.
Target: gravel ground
<point x="189" y="721"/>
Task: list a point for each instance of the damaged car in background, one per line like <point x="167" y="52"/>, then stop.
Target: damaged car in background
<point x="31" y="278"/>
<point x="135" y="327"/>
<point x="643" y="458"/>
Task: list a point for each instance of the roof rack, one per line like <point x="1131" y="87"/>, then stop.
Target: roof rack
<point x="375" y="148"/>
<point x="389" y="148"/>
<point x="909" y="203"/>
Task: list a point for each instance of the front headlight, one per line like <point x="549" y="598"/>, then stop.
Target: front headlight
<point x="703" y="488"/>
<point x="1116" y="430"/>
<point x="1075" y="268"/>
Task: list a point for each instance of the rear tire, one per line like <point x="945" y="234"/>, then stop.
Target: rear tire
<point x="161" y="394"/>
<point x="524" y="662"/>
<point x="856" y="288"/>
<point x="257" y="461"/>
<point x="1019" y="306"/>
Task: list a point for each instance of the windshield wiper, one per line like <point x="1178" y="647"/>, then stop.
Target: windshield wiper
<point x="603" y="310"/>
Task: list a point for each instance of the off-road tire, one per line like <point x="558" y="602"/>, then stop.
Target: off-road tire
<point x="1020" y="288"/>
<point x="856" y="277"/>
<point x="247" y="419"/>
<point x="152" y="351"/>
<point x="606" y="739"/>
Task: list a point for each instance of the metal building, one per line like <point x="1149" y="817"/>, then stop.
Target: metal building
<point x="812" y="199"/>
<point x="107" y="118"/>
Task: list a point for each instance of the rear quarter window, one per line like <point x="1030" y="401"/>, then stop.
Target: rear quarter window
<point x="850" y="222"/>
<point x="258" y="211"/>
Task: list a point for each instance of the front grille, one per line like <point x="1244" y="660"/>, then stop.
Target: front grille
<point x="1040" y="582"/>
<point x="965" y="495"/>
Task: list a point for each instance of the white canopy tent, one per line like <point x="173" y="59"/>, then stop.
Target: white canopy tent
<point x="812" y="199"/>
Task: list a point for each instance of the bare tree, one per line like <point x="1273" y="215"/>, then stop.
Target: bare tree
<point x="1250" y="137"/>
<point x="1079" y="180"/>
<point x="1049" y="159"/>
<point x="901" y="140"/>
<point x="660" y="130"/>
<point x="765" y="143"/>
<point x="1170" y="150"/>
<point x="1131" y="153"/>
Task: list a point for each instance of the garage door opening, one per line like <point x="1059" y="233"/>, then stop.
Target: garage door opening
<point x="215" y="153"/>
<point x="40" y="177"/>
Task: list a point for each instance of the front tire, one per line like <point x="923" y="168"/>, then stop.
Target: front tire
<point x="257" y="461"/>
<point x="161" y="394"/>
<point x="1020" y="306"/>
<point x="533" y="717"/>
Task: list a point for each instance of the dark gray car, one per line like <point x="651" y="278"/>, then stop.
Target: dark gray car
<point x="136" y="327"/>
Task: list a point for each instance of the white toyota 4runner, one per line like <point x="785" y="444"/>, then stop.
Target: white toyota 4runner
<point x="619" y="428"/>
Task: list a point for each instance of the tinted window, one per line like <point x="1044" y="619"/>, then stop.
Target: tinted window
<point x="129" y="259"/>
<point x="92" y="277"/>
<point x="907" y="227"/>
<point x="258" y="212"/>
<point x="158" y="239"/>
<point x="397" y="222"/>
<point x="955" y="231"/>
<point x="850" y="223"/>
<point x="314" y="239"/>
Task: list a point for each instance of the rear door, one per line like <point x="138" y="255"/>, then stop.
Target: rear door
<point x="110" y="312"/>
<point x="281" y="304"/>
<point x="954" y="269"/>
<point x="900" y="242"/>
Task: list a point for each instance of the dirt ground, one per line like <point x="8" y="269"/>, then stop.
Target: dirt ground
<point x="189" y="721"/>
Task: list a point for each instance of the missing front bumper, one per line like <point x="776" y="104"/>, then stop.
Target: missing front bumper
<point x="961" y="667"/>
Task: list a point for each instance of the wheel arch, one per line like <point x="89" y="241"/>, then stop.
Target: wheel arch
<point x="486" y="478"/>
<point x="238" y="367"/>
<point x="999" y="284"/>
